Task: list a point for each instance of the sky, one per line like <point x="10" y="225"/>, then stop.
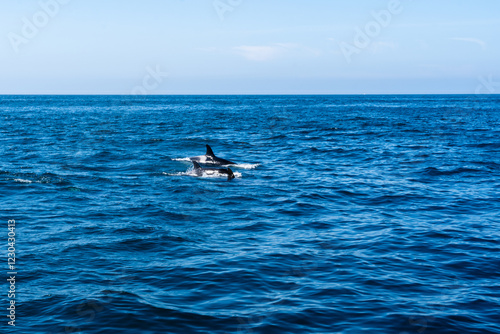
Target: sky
<point x="249" y="47"/>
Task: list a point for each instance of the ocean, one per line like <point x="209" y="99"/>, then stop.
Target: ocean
<point x="349" y="214"/>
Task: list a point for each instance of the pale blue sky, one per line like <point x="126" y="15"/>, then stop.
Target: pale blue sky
<point x="249" y="47"/>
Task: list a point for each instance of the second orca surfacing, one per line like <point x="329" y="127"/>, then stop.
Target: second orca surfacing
<point x="199" y="171"/>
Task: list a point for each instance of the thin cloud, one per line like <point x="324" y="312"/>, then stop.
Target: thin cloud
<point x="378" y="47"/>
<point x="271" y="52"/>
<point x="258" y="53"/>
<point x="481" y="43"/>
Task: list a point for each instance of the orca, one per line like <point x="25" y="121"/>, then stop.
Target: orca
<point x="210" y="158"/>
<point x="222" y="171"/>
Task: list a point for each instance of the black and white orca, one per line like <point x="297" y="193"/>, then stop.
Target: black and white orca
<point x="199" y="171"/>
<point x="210" y="158"/>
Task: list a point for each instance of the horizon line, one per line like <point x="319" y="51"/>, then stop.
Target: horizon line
<point x="256" y="94"/>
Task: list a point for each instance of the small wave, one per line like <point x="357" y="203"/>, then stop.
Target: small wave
<point x="75" y="189"/>
<point x="432" y="171"/>
<point x="181" y="159"/>
<point x="23" y="181"/>
<point x="153" y="140"/>
<point x="485" y="145"/>
<point x="177" y="174"/>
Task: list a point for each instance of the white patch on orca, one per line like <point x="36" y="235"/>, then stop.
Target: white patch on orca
<point x="201" y="159"/>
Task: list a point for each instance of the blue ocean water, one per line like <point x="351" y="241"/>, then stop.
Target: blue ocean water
<point x="350" y="214"/>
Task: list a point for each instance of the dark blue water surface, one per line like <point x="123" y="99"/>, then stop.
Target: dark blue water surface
<point x="350" y="214"/>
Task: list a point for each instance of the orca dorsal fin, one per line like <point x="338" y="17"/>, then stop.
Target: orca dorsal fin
<point x="196" y="165"/>
<point x="210" y="152"/>
<point x="230" y="174"/>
